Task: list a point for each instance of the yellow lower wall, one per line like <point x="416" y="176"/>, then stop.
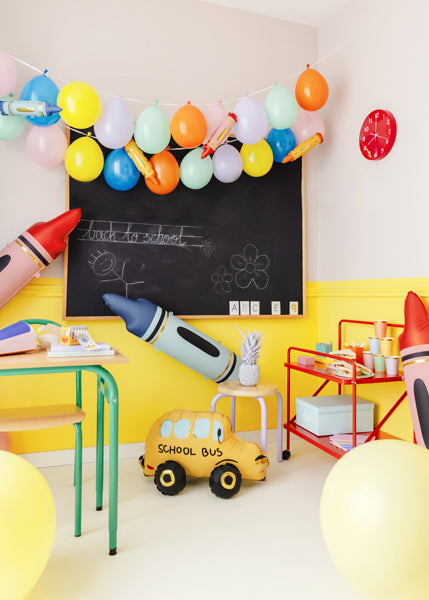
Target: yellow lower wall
<point x="153" y="383"/>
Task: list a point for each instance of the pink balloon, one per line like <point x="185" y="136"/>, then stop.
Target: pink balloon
<point x="5" y="441"/>
<point x="47" y="145"/>
<point x="214" y="115"/>
<point x="307" y="124"/>
<point x="8" y="74"/>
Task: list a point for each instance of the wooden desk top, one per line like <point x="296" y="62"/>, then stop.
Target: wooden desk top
<point x="37" y="359"/>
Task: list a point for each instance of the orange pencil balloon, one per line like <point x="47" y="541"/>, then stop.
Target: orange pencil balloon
<point x="220" y="135"/>
<point x="303" y="147"/>
<point x="140" y="160"/>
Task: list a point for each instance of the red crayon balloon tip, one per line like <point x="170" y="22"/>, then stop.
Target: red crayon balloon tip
<point x="416" y="330"/>
<point x="53" y="234"/>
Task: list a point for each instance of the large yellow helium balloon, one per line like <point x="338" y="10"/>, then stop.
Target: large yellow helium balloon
<point x="84" y="159"/>
<point x="375" y="519"/>
<point x="80" y="104"/>
<point x="257" y="158"/>
<point x="27" y="528"/>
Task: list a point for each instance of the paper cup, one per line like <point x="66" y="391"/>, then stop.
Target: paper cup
<point x="392" y="365"/>
<point x="379" y="363"/>
<point x="380" y="328"/>
<point x="374" y="344"/>
<point x="368" y="360"/>
<point x="386" y="346"/>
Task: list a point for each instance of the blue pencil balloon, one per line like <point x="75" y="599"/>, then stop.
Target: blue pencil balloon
<point x="176" y="338"/>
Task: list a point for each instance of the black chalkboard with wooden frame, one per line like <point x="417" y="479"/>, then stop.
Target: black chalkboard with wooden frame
<point x="225" y="250"/>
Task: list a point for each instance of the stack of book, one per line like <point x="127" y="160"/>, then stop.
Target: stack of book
<point x="345" y="440"/>
<point x="62" y="350"/>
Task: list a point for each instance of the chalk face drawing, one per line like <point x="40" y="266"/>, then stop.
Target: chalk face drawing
<point x="105" y="264"/>
<point x="152" y="234"/>
<point x="251" y="268"/>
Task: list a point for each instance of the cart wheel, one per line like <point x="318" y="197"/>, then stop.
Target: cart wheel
<point x="170" y="478"/>
<point x="286" y="454"/>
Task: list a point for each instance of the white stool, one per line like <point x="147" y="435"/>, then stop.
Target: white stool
<point x="234" y="388"/>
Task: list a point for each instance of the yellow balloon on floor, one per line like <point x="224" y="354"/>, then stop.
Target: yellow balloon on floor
<point x="27" y="527"/>
<point x="80" y="104"/>
<point x="374" y="515"/>
<point x="84" y="159"/>
<point x="257" y="158"/>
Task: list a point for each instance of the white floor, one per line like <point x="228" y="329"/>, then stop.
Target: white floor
<point x="265" y="542"/>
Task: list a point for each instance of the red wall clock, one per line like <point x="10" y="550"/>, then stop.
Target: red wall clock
<point x="377" y="134"/>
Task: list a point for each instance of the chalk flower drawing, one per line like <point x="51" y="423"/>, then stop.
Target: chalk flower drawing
<point x="222" y="280"/>
<point x="251" y="268"/>
<point x="208" y="247"/>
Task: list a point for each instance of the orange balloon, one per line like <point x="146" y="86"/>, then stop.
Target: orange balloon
<point x="311" y="90"/>
<point x="188" y="126"/>
<point x="167" y="172"/>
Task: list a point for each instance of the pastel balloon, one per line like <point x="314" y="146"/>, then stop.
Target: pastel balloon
<point x="8" y="74"/>
<point x="379" y="493"/>
<point x="84" y="159"/>
<point x="188" y="126"/>
<point x="196" y="172"/>
<point x="311" y="90"/>
<point x="281" y="107"/>
<point x="257" y="158"/>
<point x="252" y="121"/>
<point x="227" y="164"/>
<point x="307" y="124"/>
<point x="10" y="127"/>
<point x="41" y="88"/>
<point x="214" y="114"/>
<point x="47" y="146"/>
<point x="281" y="142"/>
<point x="80" y="104"/>
<point x="152" y="130"/>
<point x="28" y="526"/>
<point x="167" y="172"/>
<point x="115" y="126"/>
<point x="119" y="171"/>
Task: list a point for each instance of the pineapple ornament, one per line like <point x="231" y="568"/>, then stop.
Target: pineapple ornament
<point x="249" y="372"/>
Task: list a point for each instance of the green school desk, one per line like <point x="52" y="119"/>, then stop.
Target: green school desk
<point x="37" y="363"/>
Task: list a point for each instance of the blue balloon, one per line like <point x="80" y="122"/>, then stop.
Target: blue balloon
<point x="43" y="89"/>
<point x="119" y="171"/>
<point x="281" y="142"/>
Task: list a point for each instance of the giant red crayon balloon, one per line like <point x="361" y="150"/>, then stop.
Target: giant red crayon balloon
<point x="414" y="349"/>
<point x="32" y="251"/>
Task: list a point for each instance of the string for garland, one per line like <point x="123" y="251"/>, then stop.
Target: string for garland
<point x="151" y="102"/>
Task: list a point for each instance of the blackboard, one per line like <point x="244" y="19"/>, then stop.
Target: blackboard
<point x="191" y="251"/>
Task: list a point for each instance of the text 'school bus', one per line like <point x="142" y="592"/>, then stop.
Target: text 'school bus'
<point x="200" y="444"/>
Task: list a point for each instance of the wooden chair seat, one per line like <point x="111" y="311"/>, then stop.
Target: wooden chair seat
<point x="27" y="418"/>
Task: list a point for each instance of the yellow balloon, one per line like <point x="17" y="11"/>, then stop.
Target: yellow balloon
<point x="375" y="519"/>
<point x="84" y="159"/>
<point x="27" y="528"/>
<point x="80" y="104"/>
<point x="257" y="158"/>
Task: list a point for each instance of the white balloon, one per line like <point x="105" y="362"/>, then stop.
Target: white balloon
<point x="115" y="126"/>
<point x="252" y="121"/>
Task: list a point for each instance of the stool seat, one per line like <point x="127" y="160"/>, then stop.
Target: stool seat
<point x="28" y="418"/>
<point x="234" y="388"/>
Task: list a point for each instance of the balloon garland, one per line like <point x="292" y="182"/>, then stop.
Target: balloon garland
<point x="292" y="123"/>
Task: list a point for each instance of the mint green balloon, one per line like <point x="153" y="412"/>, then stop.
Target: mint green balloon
<point x="10" y="127"/>
<point x="281" y="107"/>
<point x="196" y="172"/>
<point x="152" y="130"/>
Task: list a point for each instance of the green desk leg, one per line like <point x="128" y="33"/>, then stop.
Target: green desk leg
<point x="78" y="480"/>
<point x="99" y="465"/>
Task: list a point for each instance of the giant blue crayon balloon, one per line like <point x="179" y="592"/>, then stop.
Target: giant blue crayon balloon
<point x="176" y="338"/>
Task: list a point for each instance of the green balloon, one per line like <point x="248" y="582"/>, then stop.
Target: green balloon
<point x="152" y="130"/>
<point x="10" y="127"/>
<point x="196" y="172"/>
<point x="281" y="107"/>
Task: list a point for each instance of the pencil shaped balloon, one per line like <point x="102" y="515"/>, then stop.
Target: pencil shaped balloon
<point x="175" y="337"/>
<point x="32" y="251"/>
<point x="414" y="350"/>
<point x="303" y="147"/>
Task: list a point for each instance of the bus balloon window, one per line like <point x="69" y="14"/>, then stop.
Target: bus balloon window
<point x="218" y="431"/>
<point x="181" y="428"/>
<point x="201" y="428"/>
<point x="166" y="428"/>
